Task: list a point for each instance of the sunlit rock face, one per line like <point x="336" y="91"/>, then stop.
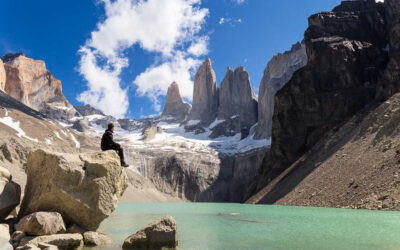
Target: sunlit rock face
<point x="205" y="94"/>
<point x="175" y="110"/>
<point x="29" y="82"/>
<point x="277" y="73"/>
<point x="237" y="98"/>
<point x="2" y="76"/>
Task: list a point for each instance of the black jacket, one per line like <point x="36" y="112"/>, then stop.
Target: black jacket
<point x="107" y="141"/>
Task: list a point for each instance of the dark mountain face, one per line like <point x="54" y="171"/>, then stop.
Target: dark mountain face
<point x="346" y="71"/>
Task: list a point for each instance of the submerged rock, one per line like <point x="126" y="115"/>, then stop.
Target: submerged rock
<point x="159" y="234"/>
<point x="10" y="194"/>
<point x="41" y="223"/>
<point x="85" y="189"/>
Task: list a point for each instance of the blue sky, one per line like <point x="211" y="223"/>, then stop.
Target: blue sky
<point x="139" y="48"/>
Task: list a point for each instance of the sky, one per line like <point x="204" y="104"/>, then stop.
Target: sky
<point x="121" y="55"/>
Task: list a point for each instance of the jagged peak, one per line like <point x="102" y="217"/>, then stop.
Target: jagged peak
<point x="11" y="56"/>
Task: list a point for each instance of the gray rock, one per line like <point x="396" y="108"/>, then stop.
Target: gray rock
<point x="205" y="94"/>
<point x="237" y="98"/>
<point x="41" y="223"/>
<point x="150" y="133"/>
<point x="62" y="241"/>
<point x="277" y="73"/>
<point x="88" y="110"/>
<point x="81" y="125"/>
<point x="175" y="109"/>
<point x="96" y="239"/>
<point x="10" y="194"/>
<point x="159" y="234"/>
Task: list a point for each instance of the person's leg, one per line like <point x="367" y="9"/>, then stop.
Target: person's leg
<point x="121" y="156"/>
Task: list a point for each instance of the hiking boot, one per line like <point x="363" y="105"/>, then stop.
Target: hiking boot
<point x="124" y="165"/>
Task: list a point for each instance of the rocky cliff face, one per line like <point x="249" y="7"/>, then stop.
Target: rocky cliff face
<point x="237" y="98"/>
<point x="390" y="82"/>
<point x="197" y="175"/>
<point x="29" y="82"/>
<point x="86" y="110"/>
<point x="205" y="94"/>
<point x="345" y="60"/>
<point x="278" y="72"/>
<point x="175" y="109"/>
<point x="2" y="76"/>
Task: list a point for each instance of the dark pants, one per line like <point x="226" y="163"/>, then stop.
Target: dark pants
<point x="121" y="155"/>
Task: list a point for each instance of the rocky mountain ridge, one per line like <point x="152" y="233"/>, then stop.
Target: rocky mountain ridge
<point x="347" y="71"/>
<point x="29" y="82"/>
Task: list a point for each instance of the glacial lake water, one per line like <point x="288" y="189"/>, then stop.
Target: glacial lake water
<point x="236" y="226"/>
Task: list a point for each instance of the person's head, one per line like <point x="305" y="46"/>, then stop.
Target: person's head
<point x="111" y="126"/>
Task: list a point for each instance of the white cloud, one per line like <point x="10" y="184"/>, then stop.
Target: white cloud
<point x="155" y="80"/>
<point x="230" y="21"/>
<point x="159" y="26"/>
<point x="239" y="2"/>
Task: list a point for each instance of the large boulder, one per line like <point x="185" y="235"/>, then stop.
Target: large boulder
<point x="85" y="189"/>
<point x="62" y="241"/>
<point x="175" y="109"/>
<point x="2" y="76"/>
<point x="29" y="82"/>
<point x="205" y="94"/>
<point x="10" y="194"/>
<point x="41" y="223"/>
<point x="160" y="234"/>
<point x="278" y="72"/>
<point x="237" y="98"/>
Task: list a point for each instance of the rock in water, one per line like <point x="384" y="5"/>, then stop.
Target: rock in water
<point x="345" y="61"/>
<point x="2" y="76"/>
<point x="62" y="241"/>
<point x="41" y="223"/>
<point x="96" y="239"/>
<point x="160" y="234"/>
<point x="175" y="109"/>
<point x="10" y="194"/>
<point x="205" y="94"/>
<point x="85" y="189"/>
<point x="29" y="82"/>
<point x="278" y="72"/>
<point x="237" y="98"/>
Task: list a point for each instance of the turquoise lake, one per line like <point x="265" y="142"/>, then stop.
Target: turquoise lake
<point x="237" y="226"/>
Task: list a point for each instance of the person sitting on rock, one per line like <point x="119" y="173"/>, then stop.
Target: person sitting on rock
<point x="107" y="143"/>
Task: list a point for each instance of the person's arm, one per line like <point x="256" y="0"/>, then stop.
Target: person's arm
<point x="113" y="143"/>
